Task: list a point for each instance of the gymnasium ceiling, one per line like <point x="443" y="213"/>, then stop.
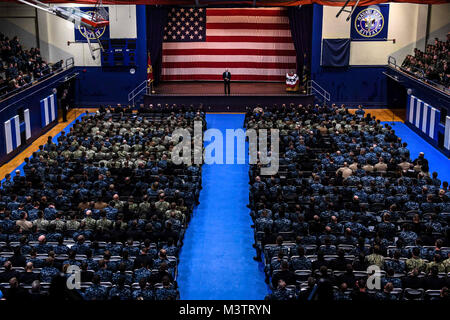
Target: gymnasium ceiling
<point x="241" y="2"/>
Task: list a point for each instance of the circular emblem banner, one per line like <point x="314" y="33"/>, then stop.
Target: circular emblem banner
<point x="370" y="23"/>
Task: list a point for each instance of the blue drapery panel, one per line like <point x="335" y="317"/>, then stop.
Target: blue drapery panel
<point x="300" y="20"/>
<point x="335" y="52"/>
<point x="156" y="20"/>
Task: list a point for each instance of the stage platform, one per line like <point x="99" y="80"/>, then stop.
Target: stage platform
<point x="211" y="94"/>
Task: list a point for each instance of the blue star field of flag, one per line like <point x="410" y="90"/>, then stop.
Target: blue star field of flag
<point x="186" y="24"/>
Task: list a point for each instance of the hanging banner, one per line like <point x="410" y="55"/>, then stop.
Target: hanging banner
<point x="370" y="23"/>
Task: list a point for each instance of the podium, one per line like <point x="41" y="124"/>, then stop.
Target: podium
<point x="292" y="82"/>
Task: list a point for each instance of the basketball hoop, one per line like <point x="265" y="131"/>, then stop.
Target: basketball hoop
<point x="92" y="21"/>
<point x="100" y="14"/>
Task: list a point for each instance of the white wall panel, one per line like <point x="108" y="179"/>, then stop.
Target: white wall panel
<point x="122" y="21"/>
<point x="24" y="28"/>
<point x="19" y="20"/>
<point x="439" y="21"/>
<point x="332" y="27"/>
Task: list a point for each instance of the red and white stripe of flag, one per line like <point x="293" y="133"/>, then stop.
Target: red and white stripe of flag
<point x="255" y="44"/>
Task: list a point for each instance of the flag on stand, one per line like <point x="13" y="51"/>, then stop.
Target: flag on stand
<point x="149" y="70"/>
<point x="254" y="44"/>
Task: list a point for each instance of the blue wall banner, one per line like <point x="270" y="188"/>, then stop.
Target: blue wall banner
<point x="81" y="33"/>
<point x="336" y="52"/>
<point x="26" y="104"/>
<point x="447" y="133"/>
<point x="370" y="23"/>
<point x="26" y="115"/>
<point x="12" y="134"/>
<point x="423" y="116"/>
<point x="49" y="111"/>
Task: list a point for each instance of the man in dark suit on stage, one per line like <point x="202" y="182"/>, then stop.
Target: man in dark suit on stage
<point x="64" y="101"/>
<point x="226" y="80"/>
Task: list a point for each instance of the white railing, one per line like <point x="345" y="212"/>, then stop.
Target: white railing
<point x="143" y="86"/>
<point x="417" y="73"/>
<point x="315" y="89"/>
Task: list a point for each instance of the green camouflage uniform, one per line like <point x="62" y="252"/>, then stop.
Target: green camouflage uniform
<point x="59" y="224"/>
<point x="375" y="259"/>
<point x="144" y="207"/>
<point x="118" y="204"/>
<point x="446" y="264"/>
<point x="89" y="223"/>
<point x="133" y="207"/>
<point x="104" y="224"/>
<point x="77" y="154"/>
<point x="41" y="224"/>
<point x="178" y="215"/>
<point x="123" y="225"/>
<point x="415" y="263"/>
<point x="441" y="266"/>
<point x="162" y="207"/>
<point x="72" y="225"/>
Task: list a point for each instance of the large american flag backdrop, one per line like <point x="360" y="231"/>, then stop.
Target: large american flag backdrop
<point x="255" y="44"/>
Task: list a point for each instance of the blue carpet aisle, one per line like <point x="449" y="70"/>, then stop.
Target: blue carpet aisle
<point x="216" y="258"/>
<point x="436" y="160"/>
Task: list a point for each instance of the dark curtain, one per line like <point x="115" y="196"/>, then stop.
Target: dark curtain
<point x="301" y="22"/>
<point x="335" y="52"/>
<point x="156" y="21"/>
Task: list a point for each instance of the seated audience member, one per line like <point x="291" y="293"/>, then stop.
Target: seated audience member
<point x="431" y="63"/>
<point x="359" y="193"/>
<point x="20" y="66"/>
<point x="111" y="187"/>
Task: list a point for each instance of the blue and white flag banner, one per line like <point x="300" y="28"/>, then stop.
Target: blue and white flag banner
<point x="26" y="115"/>
<point x="423" y="116"/>
<point x="48" y="110"/>
<point x="447" y="133"/>
<point x="12" y="134"/>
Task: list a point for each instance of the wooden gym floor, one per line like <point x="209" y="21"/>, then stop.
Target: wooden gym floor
<point x="386" y="114"/>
